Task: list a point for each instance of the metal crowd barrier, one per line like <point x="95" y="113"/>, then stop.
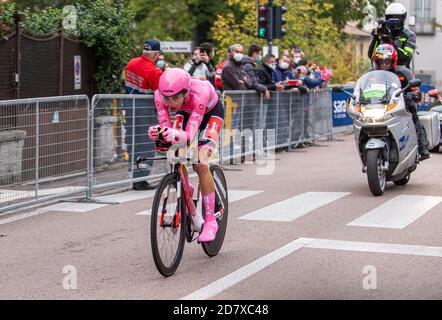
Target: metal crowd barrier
<point x="55" y="147"/>
<point x="119" y="124"/>
<point x="43" y="149"/>
<point x="287" y="119"/>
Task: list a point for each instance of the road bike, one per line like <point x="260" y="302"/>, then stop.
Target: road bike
<point x="175" y="218"/>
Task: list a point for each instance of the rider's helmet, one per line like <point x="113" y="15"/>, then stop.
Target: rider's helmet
<point x="385" y="57"/>
<point x="174" y="81"/>
<point x="395" y="14"/>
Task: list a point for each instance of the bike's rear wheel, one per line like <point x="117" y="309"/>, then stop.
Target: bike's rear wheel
<point x="221" y="202"/>
<point x="167" y="227"/>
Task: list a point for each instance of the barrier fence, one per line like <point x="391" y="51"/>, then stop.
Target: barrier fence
<point x="54" y="147"/>
<point x="43" y="149"/>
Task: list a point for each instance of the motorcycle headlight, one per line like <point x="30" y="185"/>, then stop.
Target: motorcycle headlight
<point x="375" y="115"/>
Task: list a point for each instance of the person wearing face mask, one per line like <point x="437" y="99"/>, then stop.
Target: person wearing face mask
<point x="265" y="74"/>
<point x="249" y="68"/>
<point x="310" y="79"/>
<point x="297" y="57"/>
<point x="161" y="63"/>
<point x="232" y="76"/>
<point x="142" y="74"/>
<point x="142" y="77"/>
<point x="282" y="71"/>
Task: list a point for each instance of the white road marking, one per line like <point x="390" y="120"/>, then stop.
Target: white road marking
<point x="63" y="206"/>
<point x="234" y="195"/>
<point x="293" y="208"/>
<point x="7" y="195"/>
<point x="79" y="206"/>
<point x="398" y="212"/>
<point x="373" y="247"/>
<point x="127" y="196"/>
<point x="245" y="272"/>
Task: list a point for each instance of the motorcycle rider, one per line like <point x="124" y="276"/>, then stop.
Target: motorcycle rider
<point x="386" y="58"/>
<point x="392" y="31"/>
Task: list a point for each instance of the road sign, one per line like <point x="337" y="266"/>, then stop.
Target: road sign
<point x="176" y="46"/>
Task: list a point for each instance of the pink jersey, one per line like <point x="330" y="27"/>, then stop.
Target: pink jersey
<point x="202" y="98"/>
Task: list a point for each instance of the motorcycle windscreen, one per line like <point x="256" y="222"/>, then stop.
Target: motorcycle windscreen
<point x="376" y="88"/>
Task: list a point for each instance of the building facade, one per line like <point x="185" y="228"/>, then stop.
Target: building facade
<point x="425" y="18"/>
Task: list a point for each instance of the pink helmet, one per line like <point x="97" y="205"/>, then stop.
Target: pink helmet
<point x="173" y="81"/>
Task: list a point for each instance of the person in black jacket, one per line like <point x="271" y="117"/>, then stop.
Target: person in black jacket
<point x="265" y="73"/>
<point x="232" y="75"/>
<point x="393" y="32"/>
<point x="249" y="68"/>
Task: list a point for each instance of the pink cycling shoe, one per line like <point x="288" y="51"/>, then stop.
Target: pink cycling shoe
<point x="210" y="227"/>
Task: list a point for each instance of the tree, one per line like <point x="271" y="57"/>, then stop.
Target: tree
<point x="351" y="10"/>
<point x="35" y="5"/>
<point x="309" y="27"/>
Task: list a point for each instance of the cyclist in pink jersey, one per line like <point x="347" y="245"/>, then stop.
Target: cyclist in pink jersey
<point x="198" y="108"/>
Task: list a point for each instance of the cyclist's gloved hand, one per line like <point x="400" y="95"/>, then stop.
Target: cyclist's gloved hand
<point x="154" y="133"/>
<point x="174" y="135"/>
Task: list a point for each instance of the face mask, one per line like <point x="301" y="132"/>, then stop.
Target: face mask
<point x="238" y="57"/>
<point x="297" y="60"/>
<point x="272" y="66"/>
<point x="284" y="65"/>
<point x="259" y="58"/>
<point x="161" y="63"/>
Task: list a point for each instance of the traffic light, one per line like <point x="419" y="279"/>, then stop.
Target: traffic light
<point x="264" y="21"/>
<point x="279" y="21"/>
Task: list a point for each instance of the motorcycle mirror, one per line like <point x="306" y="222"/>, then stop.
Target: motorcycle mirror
<point x="338" y="89"/>
<point x="415" y="83"/>
<point x="341" y="90"/>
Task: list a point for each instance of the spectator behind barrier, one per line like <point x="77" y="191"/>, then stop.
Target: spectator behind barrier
<point x="232" y="76"/>
<point x="142" y="74"/>
<point x="219" y="69"/>
<point x="311" y="77"/>
<point x="249" y="68"/>
<point x="207" y="53"/>
<point x="161" y="63"/>
<point x="196" y="66"/>
<point x="282" y="71"/>
<point x="142" y="77"/>
<point x="265" y="73"/>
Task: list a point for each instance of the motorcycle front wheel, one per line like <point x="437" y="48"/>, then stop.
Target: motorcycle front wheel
<point x="377" y="177"/>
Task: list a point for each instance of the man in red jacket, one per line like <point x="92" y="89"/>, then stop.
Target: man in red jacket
<point x="142" y="77"/>
<point x="142" y="73"/>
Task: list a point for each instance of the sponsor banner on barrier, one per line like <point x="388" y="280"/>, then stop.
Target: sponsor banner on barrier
<point x="339" y="105"/>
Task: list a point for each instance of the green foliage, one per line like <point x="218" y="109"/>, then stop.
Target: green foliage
<point x="44" y="21"/>
<point x="36" y="5"/>
<point x="106" y="26"/>
<point x="7" y="22"/>
<point x="309" y="27"/>
<point x="108" y="30"/>
<point x="350" y="10"/>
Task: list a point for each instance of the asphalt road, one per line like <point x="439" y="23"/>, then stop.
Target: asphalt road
<point x="307" y="229"/>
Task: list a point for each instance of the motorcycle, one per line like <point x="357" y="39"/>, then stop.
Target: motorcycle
<point x="385" y="134"/>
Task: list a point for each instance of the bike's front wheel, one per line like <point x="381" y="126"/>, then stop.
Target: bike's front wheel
<point x="221" y="211"/>
<point x="167" y="227"/>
